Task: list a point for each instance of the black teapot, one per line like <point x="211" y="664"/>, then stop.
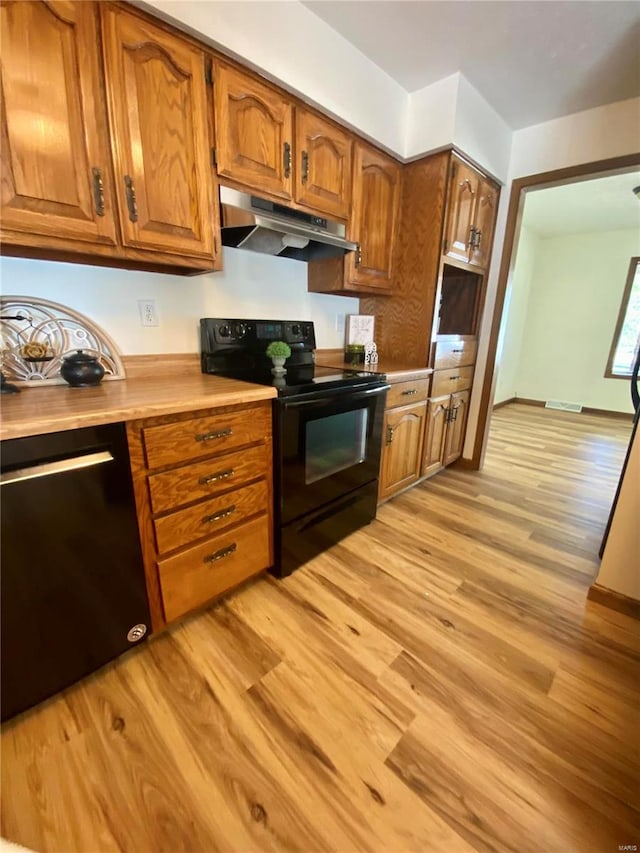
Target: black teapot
<point x="81" y="370"/>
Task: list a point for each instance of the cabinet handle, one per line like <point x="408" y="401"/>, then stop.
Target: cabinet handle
<point x="409" y="393"/>
<point x="217" y="516"/>
<point x="476" y="245"/>
<point x="472" y="237"/>
<point x="286" y="159"/>
<point x="457" y="350"/>
<point x="454" y="377"/>
<point x="389" y="434"/>
<point x="131" y="198"/>
<point x="358" y="255"/>
<point x="219" y="555"/>
<point x="213" y="478"/>
<point x="98" y="191"/>
<point x="454" y="413"/>
<point x="209" y="436"/>
<point x="305" y="167"/>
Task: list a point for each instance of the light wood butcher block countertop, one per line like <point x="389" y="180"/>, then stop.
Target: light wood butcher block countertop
<point x="59" y="407"/>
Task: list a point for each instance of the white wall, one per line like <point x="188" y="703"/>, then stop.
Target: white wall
<point x="515" y="315"/>
<point x="575" y="292"/>
<point x="585" y="137"/>
<point x="252" y="285"/>
<point x="432" y="116"/>
<point x="480" y="132"/>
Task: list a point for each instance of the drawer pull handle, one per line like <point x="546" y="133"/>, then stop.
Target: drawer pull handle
<point x="409" y="393"/>
<point x="457" y="350"/>
<point x="454" y="377"/>
<point x="213" y="478"/>
<point x="217" y="516"/>
<point x="209" y="436"/>
<point x="221" y="554"/>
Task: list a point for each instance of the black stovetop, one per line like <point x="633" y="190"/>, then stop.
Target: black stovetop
<point x="308" y="379"/>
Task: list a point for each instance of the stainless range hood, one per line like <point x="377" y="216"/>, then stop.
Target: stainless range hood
<point x="252" y="223"/>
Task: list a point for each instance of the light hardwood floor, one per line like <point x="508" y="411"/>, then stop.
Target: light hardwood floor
<point x="436" y="682"/>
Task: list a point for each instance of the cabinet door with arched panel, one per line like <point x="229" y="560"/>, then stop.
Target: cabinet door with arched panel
<point x="373" y="225"/>
<point x="323" y="167"/>
<point x="157" y="98"/>
<point x="485" y="220"/>
<point x="56" y="166"/>
<point x="254" y="132"/>
<point x="461" y="207"/>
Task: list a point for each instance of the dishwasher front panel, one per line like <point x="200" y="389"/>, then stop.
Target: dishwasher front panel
<point x="73" y="593"/>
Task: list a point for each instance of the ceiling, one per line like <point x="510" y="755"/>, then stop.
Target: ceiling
<point x="601" y="204"/>
<point x="532" y="60"/>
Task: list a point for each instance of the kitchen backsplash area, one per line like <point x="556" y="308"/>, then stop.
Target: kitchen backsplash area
<point x="251" y="285"/>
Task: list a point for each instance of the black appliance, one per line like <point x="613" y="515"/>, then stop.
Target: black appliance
<point x="73" y="589"/>
<point x="327" y="429"/>
<point x="635" y="400"/>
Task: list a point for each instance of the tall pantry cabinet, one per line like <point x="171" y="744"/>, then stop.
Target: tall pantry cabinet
<point x="432" y="317"/>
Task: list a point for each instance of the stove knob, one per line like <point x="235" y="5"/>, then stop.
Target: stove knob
<point x="224" y="331"/>
<point x="295" y="330"/>
<point x="240" y="330"/>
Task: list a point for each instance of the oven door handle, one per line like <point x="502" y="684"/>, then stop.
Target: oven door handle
<point x="327" y="396"/>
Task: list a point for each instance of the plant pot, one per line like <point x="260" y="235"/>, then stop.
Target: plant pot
<point x="278" y="368"/>
<point x="81" y="370"/>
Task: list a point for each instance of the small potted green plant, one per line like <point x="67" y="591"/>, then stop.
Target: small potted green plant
<point x="278" y="352"/>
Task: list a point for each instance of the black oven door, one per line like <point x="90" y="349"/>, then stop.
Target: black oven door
<point x="329" y="445"/>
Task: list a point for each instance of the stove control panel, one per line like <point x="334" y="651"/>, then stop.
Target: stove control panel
<point x="255" y="334"/>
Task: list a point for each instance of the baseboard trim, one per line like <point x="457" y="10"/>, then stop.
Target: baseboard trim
<point x="614" y="600"/>
<point x="504" y="403"/>
<point x="525" y="401"/>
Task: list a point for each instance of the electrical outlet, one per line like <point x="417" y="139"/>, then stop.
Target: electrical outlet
<point x="148" y="312"/>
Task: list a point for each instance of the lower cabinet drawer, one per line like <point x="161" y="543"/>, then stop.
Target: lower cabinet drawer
<point x="451" y="380"/>
<point x="192" y="578"/>
<point x="454" y="353"/>
<point x="405" y="393"/>
<point x="204" y="479"/>
<point x="169" y="444"/>
<point x="207" y="518"/>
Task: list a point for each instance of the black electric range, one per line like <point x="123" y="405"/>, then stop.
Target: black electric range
<point x="236" y="349"/>
<point x="327" y="431"/>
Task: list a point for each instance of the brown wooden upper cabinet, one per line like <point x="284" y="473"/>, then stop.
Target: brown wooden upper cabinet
<point x="56" y="165"/>
<point x="254" y="132"/>
<point x="471" y="213"/>
<point x="258" y="147"/>
<point x="373" y="226"/>
<point x="376" y="200"/>
<point x="323" y="166"/>
<point x="124" y="179"/>
<point x="157" y="100"/>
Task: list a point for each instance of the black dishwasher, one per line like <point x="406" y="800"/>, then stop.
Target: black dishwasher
<point x="73" y="592"/>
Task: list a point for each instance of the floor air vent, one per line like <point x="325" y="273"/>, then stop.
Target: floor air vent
<point x="564" y="407"/>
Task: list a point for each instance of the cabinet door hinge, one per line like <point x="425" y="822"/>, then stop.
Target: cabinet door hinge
<point x="214" y="158"/>
<point x="208" y="72"/>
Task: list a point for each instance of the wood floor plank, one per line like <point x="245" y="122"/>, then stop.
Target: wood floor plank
<point x="437" y="681"/>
